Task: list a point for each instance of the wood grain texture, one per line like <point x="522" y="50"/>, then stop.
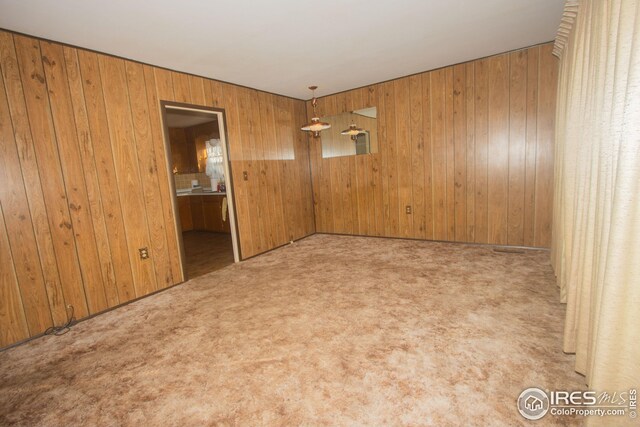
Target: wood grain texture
<point x="498" y="148"/>
<point x="116" y="98"/>
<point x="20" y="242"/>
<point x="105" y="168"/>
<point x="148" y="173"/>
<point x="94" y="198"/>
<point x="84" y="179"/>
<point x="12" y="315"/>
<point x="51" y="176"/>
<point x="31" y="176"/>
<point x="163" y="174"/>
<point x="468" y="147"/>
<point x="73" y="174"/>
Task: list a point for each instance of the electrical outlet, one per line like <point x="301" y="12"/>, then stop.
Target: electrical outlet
<point x="408" y="209"/>
<point x="144" y="253"/>
<point x="245" y="175"/>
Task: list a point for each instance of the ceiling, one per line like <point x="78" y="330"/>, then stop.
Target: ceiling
<point x="283" y="46"/>
<point x="185" y="118"/>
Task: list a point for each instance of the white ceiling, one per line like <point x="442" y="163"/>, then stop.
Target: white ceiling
<point x="283" y="46"/>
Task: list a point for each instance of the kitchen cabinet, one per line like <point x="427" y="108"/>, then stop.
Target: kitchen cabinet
<point x="212" y="209"/>
<point x="184" y="210"/>
<point x="213" y="218"/>
<point x="197" y="215"/>
<point x="203" y="213"/>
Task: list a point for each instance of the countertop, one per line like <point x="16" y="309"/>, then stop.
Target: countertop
<point x="203" y="192"/>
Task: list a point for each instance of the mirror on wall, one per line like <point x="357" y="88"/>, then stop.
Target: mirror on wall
<point x="351" y="133"/>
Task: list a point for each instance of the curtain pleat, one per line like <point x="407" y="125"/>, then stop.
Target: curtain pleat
<point x="596" y="218"/>
<point x="566" y="24"/>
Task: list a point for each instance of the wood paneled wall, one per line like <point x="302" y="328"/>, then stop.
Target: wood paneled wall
<point x="468" y="147"/>
<point x="84" y="181"/>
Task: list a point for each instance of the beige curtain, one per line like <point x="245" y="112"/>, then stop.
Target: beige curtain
<point x="596" y="227"/>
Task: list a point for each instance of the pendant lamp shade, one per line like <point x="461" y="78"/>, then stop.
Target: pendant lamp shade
<point x="353" y="131"/>
<point x="315" y="125"/>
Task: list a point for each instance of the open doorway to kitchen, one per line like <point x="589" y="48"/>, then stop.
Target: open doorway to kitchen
<point x="198" y="162"/>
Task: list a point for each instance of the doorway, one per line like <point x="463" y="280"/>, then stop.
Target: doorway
<point x="199" y="168"/>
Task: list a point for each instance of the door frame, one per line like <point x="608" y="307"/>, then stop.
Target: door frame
<point x="222" y="124"/>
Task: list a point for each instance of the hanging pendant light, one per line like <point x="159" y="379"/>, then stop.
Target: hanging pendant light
<point x="353" y="131"/>
<point x="315" y="126"/>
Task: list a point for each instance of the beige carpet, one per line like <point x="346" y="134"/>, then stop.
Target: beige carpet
<point x="332" y="330"/>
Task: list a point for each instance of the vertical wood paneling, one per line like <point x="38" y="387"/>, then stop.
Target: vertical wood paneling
<point x="481" y="151"/>
<point x="181" y="87"/>
<point x="439" y="154"/>
<point x="383" y="205"/>
<point x="345" y="173"/>
<point x="517" y="140"/>
<point x="391" y="151"/>
<point x="73" y="175"/>
<point x="91" y="176"/>
<point x="374" y="173"/>
<point x="533" y="65"/>
<point x="12" y="318"/>
<point x="498" y="148"/>
<point x="51" y="178"/>
<point x="272" y="180"/>
<point x="449" y="150"/>
<point x="353" y="173"/>
<point x="468" y="147"/>
<point x="238" y="167"/>
<point x="85" y="184"/>
<point x="116" y="98"/>
<point x="335" y="184"/>
<point x="196" y="86"/>
<point x="460" y="153"/>
<point x="105" y="168"/>
<point x="153" y="104"/>
<point x="470" y="188"/>
<point x="283" y="138"/>
<point x="403" y="156"/>
<point x="248" y="138"/>
<point x="21" y="240"/>
<point x="361" y="185"/>
<point x="416" y="173"/>
<point x="214" y="95"/>
<point x="362" y="194"/>
<point x="427" y="135"/>
<point x="305" y="221"/>
<point x="263" y="141"/>
<point x="146" y="157"/>
<point x="31" y="176"/>
<point x="547" y="78"/>
<point x="322" y="182"/>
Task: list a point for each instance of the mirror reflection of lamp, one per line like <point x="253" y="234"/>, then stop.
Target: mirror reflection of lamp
<point x="353" y="132"/>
